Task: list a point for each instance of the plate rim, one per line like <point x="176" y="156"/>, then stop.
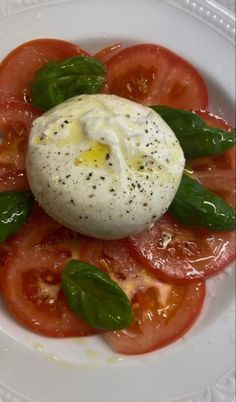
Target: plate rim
<point x="210" y="11"/>
<point x="199" y="9"/>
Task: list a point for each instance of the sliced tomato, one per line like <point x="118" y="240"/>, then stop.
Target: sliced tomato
<point x="162" y="315"/>
<point x="108" y="52"/>
<point x="31" y="278"/>
<point x="153" y="75"/>
<point x="112" y="256"/>
<point x="18" y="68"/>
<point x="163" y="312"/>
<point x="15" y="124"/>
<point x="174" y="251"/>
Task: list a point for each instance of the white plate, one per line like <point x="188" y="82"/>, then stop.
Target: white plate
<point x="199" y="367"/>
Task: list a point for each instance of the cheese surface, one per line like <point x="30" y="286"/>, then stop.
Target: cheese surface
<point x="103" y="166"/>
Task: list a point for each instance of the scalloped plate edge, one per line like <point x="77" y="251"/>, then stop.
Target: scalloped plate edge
<point x="209" y="11"/>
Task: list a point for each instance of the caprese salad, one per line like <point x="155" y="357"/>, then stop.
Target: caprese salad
<point x="117" y="192"/>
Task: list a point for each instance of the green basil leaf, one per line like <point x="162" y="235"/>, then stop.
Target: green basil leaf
<point x="57" y="81"/>
<point x="196" y="138"/>
<point x="15" y="207"/>
<point x="95" y="297"/>
<point x="195" y="205"/>
<point x="77" y="65"/>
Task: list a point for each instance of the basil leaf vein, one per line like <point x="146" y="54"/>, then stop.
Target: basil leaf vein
<point x="95" y="297"/>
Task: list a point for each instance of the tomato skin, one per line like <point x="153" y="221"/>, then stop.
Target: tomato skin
<point x="190" y="254"/>
<point x="153" y="75"/>
<point x="19" y="66"/>
<point x="113" y="257"/>
<point x="155" y="327"/>
<point x="108" y="52"/>
<point x="31" y="274"/>
<point x="151" y="329"/>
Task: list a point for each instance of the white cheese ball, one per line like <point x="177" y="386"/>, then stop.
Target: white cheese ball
<point x="103" y="166"/>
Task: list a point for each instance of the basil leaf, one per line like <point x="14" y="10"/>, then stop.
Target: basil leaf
<point x="57" y="81"/>
<point x="75" y="65"/>
<point x="195" y="205"/>
<point x="196" y="138"/>
<point x="95" y="297"/>
<point x="15" y="207"/>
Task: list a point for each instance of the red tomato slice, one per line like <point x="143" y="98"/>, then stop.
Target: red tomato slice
<point x="108" y="52"/>
<point x="18" y="68"/>
<point x="112" y="256"/>
<point x="162" y="315"/>
<point x="15" y="123"/>
<point x="31" y="278"/>
<point x="153" y="75"/>
<point x="174" y="251"/>
<point x="163" y="312"/>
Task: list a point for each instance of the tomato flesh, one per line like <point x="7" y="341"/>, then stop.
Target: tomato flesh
<point x="15" y="124"/>
<point x="108" y="52"/>
<point x="173" y="251"/>
<point x="162" y="315"/>
<point x="13" y="180"/>
<point x="163" y="312"/>
<point x="31" y="278"/>
<point x="153" y="75"/>
<point x="18" y="68"/>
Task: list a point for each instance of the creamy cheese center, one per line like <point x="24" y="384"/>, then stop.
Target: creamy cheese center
<point x="103" y="165"/>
